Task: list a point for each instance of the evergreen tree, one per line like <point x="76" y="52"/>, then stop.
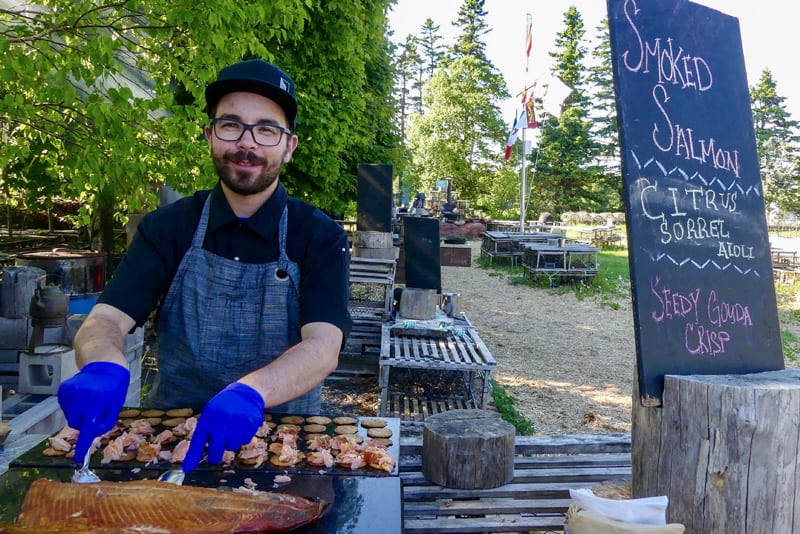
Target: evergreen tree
<point x="430" y="49"/>
<point x="472" y="25"/>
<point x="603" y="114"/>
<point x="777" y="146"/>
<point x="566" y="174"/>
<point x="409" y="90"/>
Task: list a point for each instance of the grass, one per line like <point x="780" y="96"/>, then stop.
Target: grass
<point x="505" y="406"/>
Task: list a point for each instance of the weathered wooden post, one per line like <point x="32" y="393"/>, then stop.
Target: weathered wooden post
<point x="716" y="418"/>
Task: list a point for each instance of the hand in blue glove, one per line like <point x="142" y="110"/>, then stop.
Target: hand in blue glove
<point x="228" y="421"/>
<point x="91" y="401"/>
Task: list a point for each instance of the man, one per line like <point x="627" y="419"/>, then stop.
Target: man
<point x="253" y="282"/>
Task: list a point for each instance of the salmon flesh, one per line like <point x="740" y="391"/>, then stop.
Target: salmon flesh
<point x="155" y="507"/>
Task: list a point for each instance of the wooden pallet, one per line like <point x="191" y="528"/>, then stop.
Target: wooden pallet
<point x="545" y="469"/>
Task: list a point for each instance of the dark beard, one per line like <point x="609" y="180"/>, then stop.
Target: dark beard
<point x="243" y="182"/>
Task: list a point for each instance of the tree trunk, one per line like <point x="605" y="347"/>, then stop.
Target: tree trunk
<point x="728" y="458"/>
<point x="105" y="221"/>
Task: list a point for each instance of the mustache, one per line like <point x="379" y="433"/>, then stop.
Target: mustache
<point x="245" y="156"/>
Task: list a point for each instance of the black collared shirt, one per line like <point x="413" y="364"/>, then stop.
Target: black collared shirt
<point x="314" y="241"/>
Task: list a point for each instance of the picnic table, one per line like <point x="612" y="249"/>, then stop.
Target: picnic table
<point x="510" y="245"/>
<point x="568" y="260"/>
<point x="785" y="266"/>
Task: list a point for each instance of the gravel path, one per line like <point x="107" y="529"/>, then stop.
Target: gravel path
<point x="569" y="363"/>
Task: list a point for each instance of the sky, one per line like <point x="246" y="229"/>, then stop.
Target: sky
<point x="765" y="25"/>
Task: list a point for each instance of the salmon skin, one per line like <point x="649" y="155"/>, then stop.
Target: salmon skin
<point x="156" y="507"/>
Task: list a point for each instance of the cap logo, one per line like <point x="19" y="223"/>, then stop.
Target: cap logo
<point x="284" y="85"/>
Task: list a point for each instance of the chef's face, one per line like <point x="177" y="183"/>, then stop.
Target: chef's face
<point x="244" y="165"/>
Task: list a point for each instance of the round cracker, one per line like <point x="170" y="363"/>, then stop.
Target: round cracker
<point x="314" y="429"/>
<point x="344" y="420"/>
<point x="287" y="426"/>
<point x="127" y="456"/>
<point x="179" y="412"/>
<point x="345" y="429"/>
<point x="379" y="433"/>
<point x="248" y="461"/>
<point x="173" y="421"/>
<point x="129" y="413"/>
<point x="292" y="419"/>
<point x="50" y="451"/>
<point x="151" y="413"/>
<point x="373" y="422"/>
<point x="309" y="437"/>
<point x="154" y="421"/>
<point x="383" y="443"/>
<point x="318" y="420"/>
<point x="129" y="421"/>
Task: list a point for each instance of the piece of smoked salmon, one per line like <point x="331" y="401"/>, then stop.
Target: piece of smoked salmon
<point x="152" y="506"/>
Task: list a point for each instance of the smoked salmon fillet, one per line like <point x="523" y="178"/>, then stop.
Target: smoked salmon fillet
<point x="157" y="507"/>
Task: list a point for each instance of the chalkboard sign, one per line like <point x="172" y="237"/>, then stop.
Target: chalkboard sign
<point x="701" y="270"/>
<point x="374" y="203"/>
<point x="423" y="262"/>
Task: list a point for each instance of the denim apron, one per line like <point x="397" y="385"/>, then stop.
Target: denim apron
<point x="222" y="319"/>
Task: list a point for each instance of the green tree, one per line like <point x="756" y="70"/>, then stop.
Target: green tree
<point x="603" y="116"/>
<point x="777" y="145"/>
<point x="409" y="87"/>
<point x="457" y="137"/>
<point x="430" y="50"/>
<point x="566" y="172"/>
<point x="117" y="90"/>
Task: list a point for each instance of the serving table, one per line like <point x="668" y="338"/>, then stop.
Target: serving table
<point x="364" y="500"/>
<point x="359" y="504"/>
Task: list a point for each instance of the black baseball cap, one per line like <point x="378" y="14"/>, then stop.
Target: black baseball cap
<point x="255" y="76"/>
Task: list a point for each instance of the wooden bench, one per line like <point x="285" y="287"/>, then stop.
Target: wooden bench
<point x="545" y="469"/>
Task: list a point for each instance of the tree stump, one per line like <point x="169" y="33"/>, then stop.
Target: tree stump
<point x="418" y="303"/>
<point x="729" y="452"/>
<point x="380" y="245"/>
<point x="468" y="449"/>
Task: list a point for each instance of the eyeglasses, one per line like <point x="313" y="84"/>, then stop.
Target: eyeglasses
<point x="263" y="134"/>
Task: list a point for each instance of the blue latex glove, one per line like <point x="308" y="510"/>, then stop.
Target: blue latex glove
<point x="228" y="421"/>
<point x="91" y="401"/>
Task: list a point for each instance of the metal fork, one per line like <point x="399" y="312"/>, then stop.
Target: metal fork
<point x="84" y="475"/>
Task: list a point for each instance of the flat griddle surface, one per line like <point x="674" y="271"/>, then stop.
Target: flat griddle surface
<point x="35" y="458"/>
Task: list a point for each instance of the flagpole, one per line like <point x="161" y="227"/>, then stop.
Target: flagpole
<point x="523" y="187"/>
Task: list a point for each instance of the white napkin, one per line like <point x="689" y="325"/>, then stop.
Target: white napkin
<point x="646" y="511"/>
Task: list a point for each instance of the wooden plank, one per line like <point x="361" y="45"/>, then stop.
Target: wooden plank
<point x="549" y="474"/>
<point x="467" y="525"/>
<point x="484" y="506"/>
<point x="513" y="489"/>
<point x="564" y="444"/>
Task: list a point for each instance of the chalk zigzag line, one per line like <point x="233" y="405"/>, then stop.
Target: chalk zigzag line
<point x="656" y="256"/>
<point x="753" y="189"/>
